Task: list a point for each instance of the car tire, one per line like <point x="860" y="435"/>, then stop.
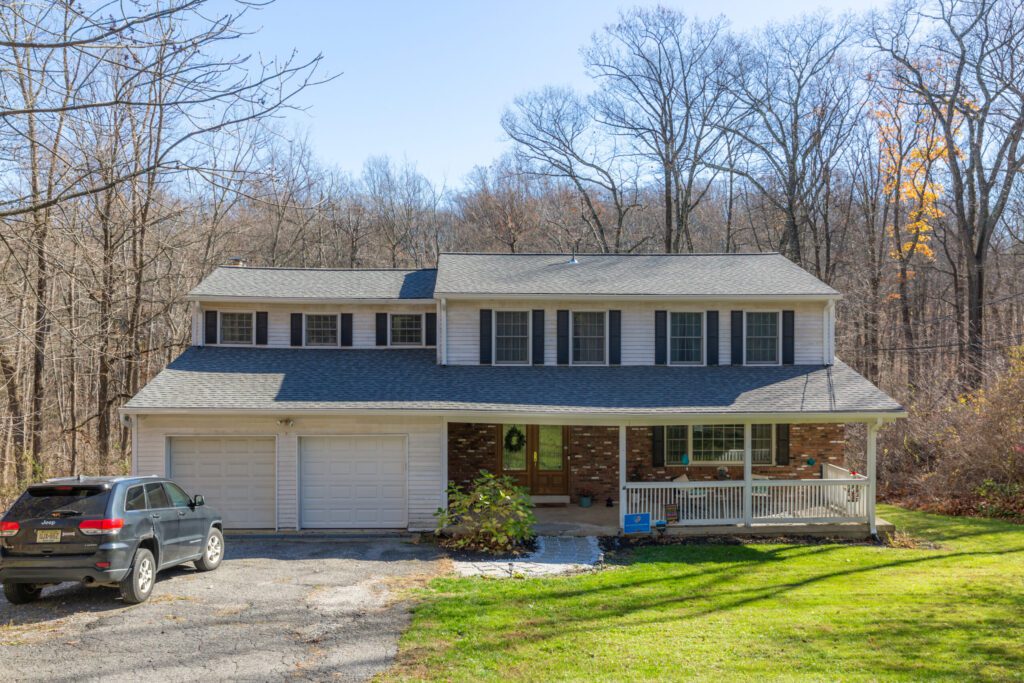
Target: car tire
<point x="137" y="586"/>
<point x="21" y="593"/>
<point x="213" y="551"/>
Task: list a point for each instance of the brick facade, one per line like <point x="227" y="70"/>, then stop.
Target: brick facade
<point x="594" y="456"/>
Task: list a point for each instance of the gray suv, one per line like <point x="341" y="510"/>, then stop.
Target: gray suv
<point x="104" y="531"/>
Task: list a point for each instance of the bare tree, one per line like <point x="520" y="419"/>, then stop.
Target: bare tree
<point x="964" y="60"/>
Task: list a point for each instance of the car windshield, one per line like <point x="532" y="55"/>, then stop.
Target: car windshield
<point x="64" y="500"/>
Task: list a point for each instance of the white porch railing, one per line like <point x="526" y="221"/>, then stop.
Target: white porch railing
<point x="772" y="501"/>
<point x="692" y="502"/>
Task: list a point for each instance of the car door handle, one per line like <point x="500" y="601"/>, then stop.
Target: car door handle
<point x="155" y="516"/>
<point x="181" y="513"/>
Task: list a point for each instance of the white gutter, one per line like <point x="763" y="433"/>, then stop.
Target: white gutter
<point x="570" y="296"/>
<point x="535" y="417"/>
<point x="304" y="300"/>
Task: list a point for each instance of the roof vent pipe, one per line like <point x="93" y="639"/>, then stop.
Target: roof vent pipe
<point x="572" y="260"/>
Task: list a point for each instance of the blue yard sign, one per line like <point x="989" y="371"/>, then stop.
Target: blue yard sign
<point x="637" y="524"/>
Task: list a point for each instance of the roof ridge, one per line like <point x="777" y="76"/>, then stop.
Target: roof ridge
<point x="320" y="269"/>
<point x="559" y="253"/>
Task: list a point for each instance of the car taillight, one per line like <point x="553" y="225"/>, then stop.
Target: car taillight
<point x="8" y="529"/>
<point x="93" y="527"/>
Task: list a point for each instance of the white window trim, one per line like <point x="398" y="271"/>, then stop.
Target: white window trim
<point x="337" y="331"/>
<point x="711" y="463"/>
<point x="778" y="340"/>
<point x="220" y="328"/>
<point x="572" y="335"/>
<point x="423" y="332"/>
<point x="703" y="339"/>
<point x="494" y="337"/>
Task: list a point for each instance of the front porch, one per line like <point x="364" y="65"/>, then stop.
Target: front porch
<point x="572" y="520"/>
<point x="690" y="479"/>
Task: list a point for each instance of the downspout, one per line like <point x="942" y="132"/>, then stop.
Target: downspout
<point x="442" y="316"/>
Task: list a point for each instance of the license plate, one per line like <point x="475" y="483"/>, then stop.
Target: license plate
<point x="48" y="536"/>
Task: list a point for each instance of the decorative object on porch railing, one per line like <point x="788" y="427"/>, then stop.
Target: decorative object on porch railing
<point x="772" y="501"/>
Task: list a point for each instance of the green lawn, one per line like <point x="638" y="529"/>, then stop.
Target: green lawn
<point x="821" y="612"/>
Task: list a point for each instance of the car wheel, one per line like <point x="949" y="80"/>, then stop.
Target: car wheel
<point x="138" y="584"/>
<point x="213" y="553"/>
<point x="21" y="593"/>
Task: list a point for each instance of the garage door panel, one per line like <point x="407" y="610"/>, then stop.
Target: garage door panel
<point x="353" y="482"/>
<point x="236" y="476"/>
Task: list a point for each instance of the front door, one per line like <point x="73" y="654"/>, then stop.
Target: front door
<point x="535" y="456"/>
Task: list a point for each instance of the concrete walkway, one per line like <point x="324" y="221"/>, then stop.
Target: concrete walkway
<point x="554" y="555"/>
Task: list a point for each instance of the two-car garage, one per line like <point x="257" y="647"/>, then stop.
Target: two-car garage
<point x="343" y="482"/>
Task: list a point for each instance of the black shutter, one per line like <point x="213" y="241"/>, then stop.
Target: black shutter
<point x="431" y="329"/>
<point x="210" y="327"/>
<point x="660" y="337"/>
<point x="736" y="331"/>
<point x="485" y="337"/>
<point x="658" y="446"/>
<point x="538" y="337"/>
<point x="563" y="337"/>
<point x="781" y="444"/>
<point x="296" y="329"/>
<point x="788" y="352"/>
<point x="382" y="329"/>
<point x="614" y="337"/>
<point x="261" y="328"/>
<point x="712" y="337"/>
<point x="346" y="329"/>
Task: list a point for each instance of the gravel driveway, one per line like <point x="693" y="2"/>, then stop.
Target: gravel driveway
<point x="276" y="609"/>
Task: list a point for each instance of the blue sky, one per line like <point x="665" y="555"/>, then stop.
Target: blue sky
<point x="427" y="82"/>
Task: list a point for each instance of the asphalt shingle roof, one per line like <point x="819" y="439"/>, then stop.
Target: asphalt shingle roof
<point x="313" y="284"/>
<point x="724" y="275"/>
<point x="358" y="379"/>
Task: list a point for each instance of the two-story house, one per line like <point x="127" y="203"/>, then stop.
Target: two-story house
<point x="700" y="389"/>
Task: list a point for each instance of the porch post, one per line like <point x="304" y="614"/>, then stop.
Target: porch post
<point x="444" y="463"/>
<point x="872" y="452"/>
<point x="622" y="477"/>
<point x="748" y="475"/>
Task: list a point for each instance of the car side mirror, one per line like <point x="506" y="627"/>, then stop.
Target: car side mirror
<point x="198" y="501"/>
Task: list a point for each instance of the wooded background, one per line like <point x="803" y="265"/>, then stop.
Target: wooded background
<point x="880" y="152"/>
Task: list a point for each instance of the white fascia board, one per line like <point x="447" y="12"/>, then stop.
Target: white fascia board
<point x="484" y="296"/>
<point x="560" y="418"/>
<point x="305" y="300"/>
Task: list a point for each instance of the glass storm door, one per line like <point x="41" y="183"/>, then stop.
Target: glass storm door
<point x="549" y="476"/>
<point x="535" y="456"/>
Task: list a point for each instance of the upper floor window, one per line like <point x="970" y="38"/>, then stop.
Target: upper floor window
<point x="236" y="328"/>
<point x="321" y="330"/>
<point x="762" y="338"/>
<point x="589" y="338"/>
<point x="686" y="333"/>
<point x="406" y="329"/>
<point x="511" y="337"/>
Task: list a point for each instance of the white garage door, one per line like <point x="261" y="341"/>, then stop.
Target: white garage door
<point x="234" y="474"/>
<point x="354" y="482"/>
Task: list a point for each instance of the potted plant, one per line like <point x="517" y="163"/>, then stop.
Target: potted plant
<point x="586" y="497"/>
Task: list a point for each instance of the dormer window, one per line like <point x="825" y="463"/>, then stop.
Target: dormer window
<point x="511" y="337"/>
<point x="406" y="329"/>
<point x="236" y="328"/>
<point x="686" y="333"/>
<point x="321" y="329"/>
<point x="761" y="338"/>
<point x="589" y="338"/>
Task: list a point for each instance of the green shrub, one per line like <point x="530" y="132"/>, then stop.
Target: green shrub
<point x="493" y="515"/>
